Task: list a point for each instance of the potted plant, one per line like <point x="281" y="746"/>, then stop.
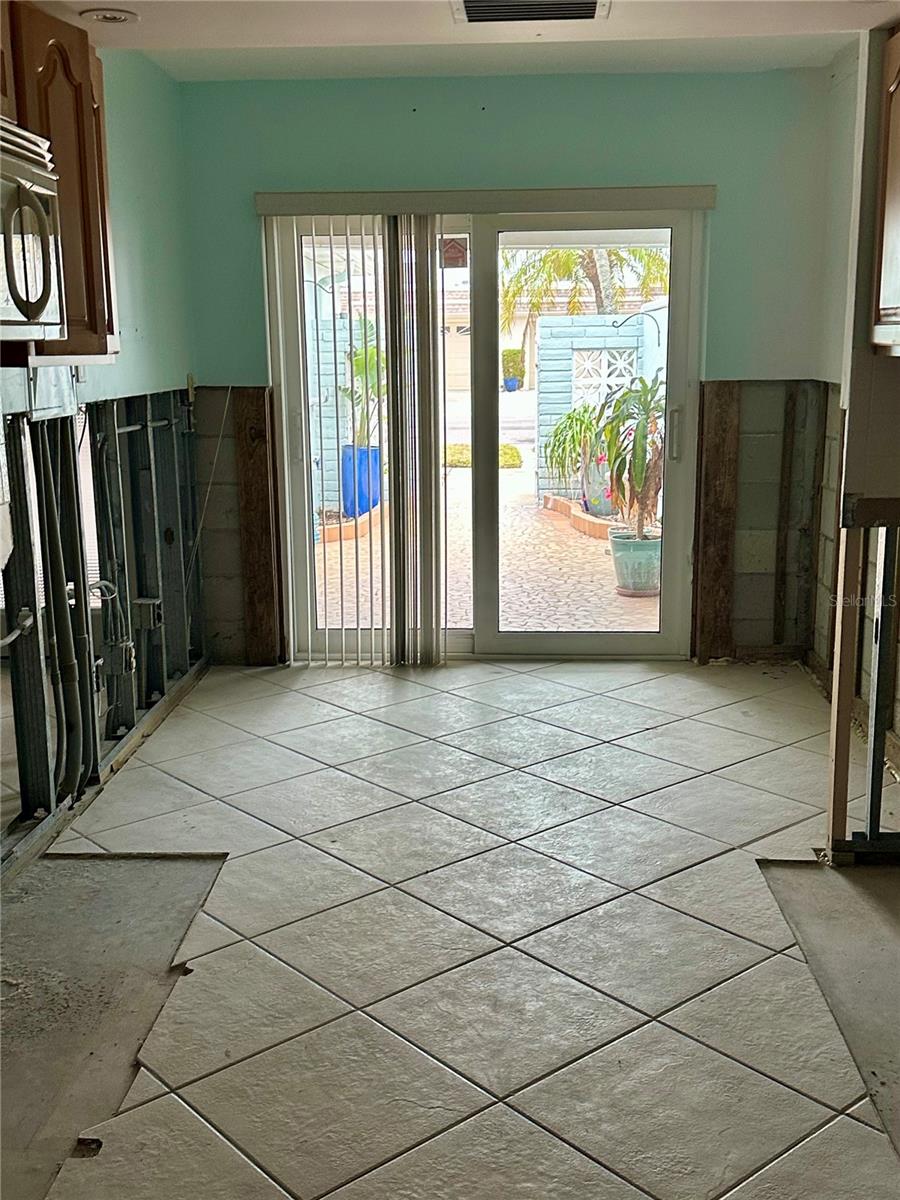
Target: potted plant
<point x="513" y="362"/>
<point x="572" y="447"/>
<point x="632" y="436"/>
<point x="360" y="460"/>
<point x="574" y="451"/>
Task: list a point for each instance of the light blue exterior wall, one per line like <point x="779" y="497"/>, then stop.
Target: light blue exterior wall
<point x="329" y="412"/>
<point x="557" y="340"/>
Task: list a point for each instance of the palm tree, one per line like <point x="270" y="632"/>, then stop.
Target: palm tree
<point x="530" y="278"/>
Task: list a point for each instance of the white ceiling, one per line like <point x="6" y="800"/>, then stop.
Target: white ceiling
<point x="226" y="39"/>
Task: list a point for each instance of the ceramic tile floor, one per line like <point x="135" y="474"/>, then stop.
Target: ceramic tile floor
<point x="488" y="930"/>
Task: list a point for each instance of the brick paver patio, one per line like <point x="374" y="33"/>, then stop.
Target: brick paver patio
<point x="552" y="578"/>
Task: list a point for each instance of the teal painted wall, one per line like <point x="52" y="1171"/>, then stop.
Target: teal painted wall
<point x="840" y="137"/>
<point x="149" y="230"/>
<point x="760" y="137"/>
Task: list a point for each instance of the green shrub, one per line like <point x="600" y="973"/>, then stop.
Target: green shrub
<point x="513" y="365"/>
<point x="510" y="456"/>
<point x="459" y="454"/>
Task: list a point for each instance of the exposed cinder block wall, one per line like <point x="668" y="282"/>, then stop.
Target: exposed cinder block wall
<point x="220" y="547"/>
<point x="759" y="512"/>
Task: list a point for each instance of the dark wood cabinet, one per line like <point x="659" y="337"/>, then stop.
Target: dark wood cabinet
<point x="887" y="287"/>
<point x="59" y="95"/>
<point x="7" y="84"/>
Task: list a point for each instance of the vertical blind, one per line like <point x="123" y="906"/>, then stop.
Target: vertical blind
<point x="357" y="356"/>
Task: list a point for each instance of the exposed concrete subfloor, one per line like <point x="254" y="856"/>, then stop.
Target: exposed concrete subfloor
<point x="87" y="947"/>
<point x="848" y="922"/>
<point x="488" y="931"/>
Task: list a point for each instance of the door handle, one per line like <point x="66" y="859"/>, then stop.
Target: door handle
<point x="673" y="435"/>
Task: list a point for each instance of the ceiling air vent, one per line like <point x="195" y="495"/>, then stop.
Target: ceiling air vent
<point x="530" y="10"/>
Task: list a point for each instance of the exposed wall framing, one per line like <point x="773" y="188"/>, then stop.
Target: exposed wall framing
<point x="107" y="644"/>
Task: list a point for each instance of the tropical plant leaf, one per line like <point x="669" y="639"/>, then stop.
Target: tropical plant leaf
<point x="639" y="454"/>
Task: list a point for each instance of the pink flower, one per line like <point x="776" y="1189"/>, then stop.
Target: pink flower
<point x="601" y="459"/>
<point x="607" y="492"/>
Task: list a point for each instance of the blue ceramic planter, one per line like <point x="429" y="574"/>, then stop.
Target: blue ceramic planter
<point x="637" y="563"/>
<point x="357" y="480"/>
<point x="511" y="383"/>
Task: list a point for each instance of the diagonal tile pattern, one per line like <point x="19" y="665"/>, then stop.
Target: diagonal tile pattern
<point x="529" y="1019"/>
<point x="402" y="842"/>
<point x="423" y="769"/>
<point x="518" y="741"/>
<point x="322" y="1108"/>
<point x="314" y="801"/>
<point x="515" y="805"/>
<point x="234" y="1002"/>
<point x="670" y="1115"/>
<point x="612" y="772"/>
<point x="625" y="847"/>
<point x="495" y="1154"/>
<point x="486" y="929"/>
<point x="511" y="891"/>
<point x="414" y="940"/>
<point x="774" y="1018"/>
<point x="625" y="948"/>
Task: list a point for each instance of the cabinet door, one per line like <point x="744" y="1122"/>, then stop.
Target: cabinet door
<point x="887" y="294"/>
<point x="54" y="98"/>
<point x="109" y="276"/>
<point x="7" y="87"/>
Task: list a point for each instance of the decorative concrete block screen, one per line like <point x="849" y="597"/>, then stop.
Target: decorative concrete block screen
<point x="581" y="359"/>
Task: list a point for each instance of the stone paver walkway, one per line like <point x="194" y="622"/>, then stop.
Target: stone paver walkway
<point x="551" y="577"/>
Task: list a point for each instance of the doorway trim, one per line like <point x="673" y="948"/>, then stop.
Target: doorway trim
<point x="694" y="197"/>
<point x="681" y="202"/>
<point x="685" y="294"/>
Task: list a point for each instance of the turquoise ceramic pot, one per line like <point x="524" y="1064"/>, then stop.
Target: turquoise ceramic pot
<point x="636" y="563"/>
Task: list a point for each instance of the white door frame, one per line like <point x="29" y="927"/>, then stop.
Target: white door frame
<point x="681" y="209"/>
<point x="685" y="326"/>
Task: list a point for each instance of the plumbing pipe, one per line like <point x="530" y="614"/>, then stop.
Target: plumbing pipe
<point x="59" y="597"/>
<point x="52" y="646"/>
<point x="80" y="614"/>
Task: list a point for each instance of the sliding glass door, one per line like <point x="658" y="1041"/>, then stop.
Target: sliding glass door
<point x="488" y="429"/>
<point x="584" y="432"/>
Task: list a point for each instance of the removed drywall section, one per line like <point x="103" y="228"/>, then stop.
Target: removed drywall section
<point x="761" y="462"/>
<point x="254" y="444"/>
<point x="778" y="478"/>
<point x="762" y="408"/>
<point x="220" y="545"/>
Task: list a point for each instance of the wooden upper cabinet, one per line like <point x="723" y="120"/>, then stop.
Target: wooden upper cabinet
<point x="887" y="286"/>
<point x="7" y="86"/>
<point x="59" y="96"/>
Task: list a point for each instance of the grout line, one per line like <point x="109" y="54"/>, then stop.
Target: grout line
<point x="499" y="943"/>
<point x="574" y="1146"/>
<point x="810" y="1133"/>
